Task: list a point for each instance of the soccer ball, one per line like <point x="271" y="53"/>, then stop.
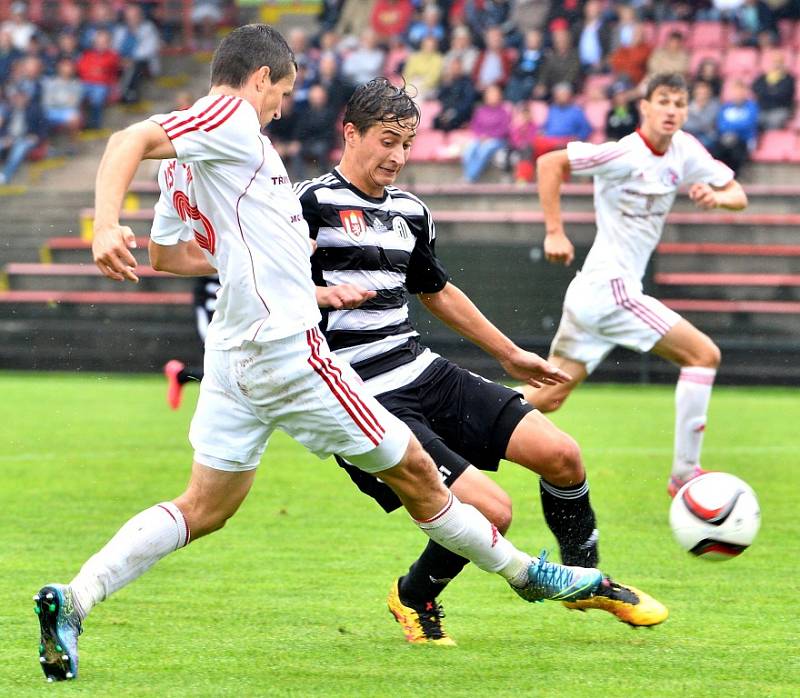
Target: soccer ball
<point x="715" y="516"/>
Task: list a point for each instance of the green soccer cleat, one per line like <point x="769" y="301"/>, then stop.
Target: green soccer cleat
<point x="60" y="626"/>
<point x="549" y="580"/>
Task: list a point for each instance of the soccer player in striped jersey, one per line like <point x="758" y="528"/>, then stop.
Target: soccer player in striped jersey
<point x="635" y="183"/>
<point x="266" y="364"/>
<point x="373" y="235"/>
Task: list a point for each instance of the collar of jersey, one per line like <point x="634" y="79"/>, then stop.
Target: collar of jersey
<point x="659" y="153"/>
<point x="353" y="187"/>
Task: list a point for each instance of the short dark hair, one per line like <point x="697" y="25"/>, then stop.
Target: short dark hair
<point x="674" y="82"/>
<point x="378" y="101"/>
<point x="248" y="48"/>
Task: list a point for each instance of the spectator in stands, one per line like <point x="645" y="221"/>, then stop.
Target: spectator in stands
<point x="315" y="131"/>
<point x="495" y="62"/>
<point x="529" y="14"/>
<point x="423" y="68"/>
<point x="353" y="20"/>
<point x="281" y="133"/>
<point x="9" y="55"/>
<point x="703" y="112"/>
<point x="630" y="60"/>
<point x="490" y="126"/>
<point x="624" y="31"/>
<point x="391" y="18"/>
<point x="206" y="16"/>
<point x="22" y="128"/>
<point x="298" y="41"/>
<point x="396" y="58"/>
<point x="67" y="47"/>
<point x="18" y="26"/>
<point x="329" y="13"/>
<point x="560" y="63"/>
<point x="462" y="48"/>
<point x="62" y="95"/>
<point x="570" y="11"/>
<point x="70" y="17"/>
<point x="481" y="15"/>
<point x="521" y="139"/>
<point x="752" y="18"/>
<point x="429" y="24"/>
<point x="673" y="57"/>
<point x="709" y="72"/>
<point x="774" y="91"/>
<point x="623" y="115"/>
<point x="365" y="62"/>
<point x="565" y="121"/>
<point x="331" y="80"/>
<point x="99" y="70"/>
<point x="457" y="97"/>
<point x="101" y="18"/>
<point x="138" y="44"/>
<point x="26" y="77"/>
<point x="594" y="37"/>
<point x="525" y="72"/>
<point x="737" y="126"/>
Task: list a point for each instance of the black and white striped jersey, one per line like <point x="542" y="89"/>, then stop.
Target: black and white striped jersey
<point x="385" y="244"/>
<point x="205" y="302"/>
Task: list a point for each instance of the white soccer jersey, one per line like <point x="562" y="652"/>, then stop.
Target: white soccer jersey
<point x="231" y="191"/>
<point x="634" y="189"/>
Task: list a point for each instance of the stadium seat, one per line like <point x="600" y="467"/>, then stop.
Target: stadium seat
<point x="776" y="146"/>
<point x="700" y="54"/>
<point x="428" y="145"/>
<point x="649" y="32"/>
<point x="538" y="111"/>
<point x="596" y="86"/>
<point x="664" y="29"/>
<point x="790" y="58"/>
<point x="708" y="35"/>
<point x="596" y="114"/>
<point x="796" y="36"/>
<point x="786" y="31"/>
<point x="741" y="63"/>
<point x="429" y="109"/>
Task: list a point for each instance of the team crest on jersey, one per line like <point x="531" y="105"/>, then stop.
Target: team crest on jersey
<point x="670" y="177"/>
<point x="400" y="226"/>
<point x="355" y="227"/>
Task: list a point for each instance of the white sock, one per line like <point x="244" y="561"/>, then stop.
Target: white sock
<point x="136" y="547"/>
<point x="692" y="395"/>
<point x="462" y="529"/>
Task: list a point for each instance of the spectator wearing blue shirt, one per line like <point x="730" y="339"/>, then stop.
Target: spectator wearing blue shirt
<point x="429" y="25"/>
<point x="737" y="125"/>
<point x="22" y="128"/>
<point x="526" y="71"/>
<point x="565" y="122"/>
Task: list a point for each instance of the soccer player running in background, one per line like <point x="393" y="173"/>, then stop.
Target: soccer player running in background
<point x="372" y="235"/>
<point x="266" y="364"/>
<point x="635" y="183"/>
<point x="176" y="372"/>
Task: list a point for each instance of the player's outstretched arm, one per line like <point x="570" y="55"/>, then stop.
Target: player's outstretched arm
<point x="731" y="196"/>
<point x="552" y="169"/>
<point x="183" y="259"/>
<point x="452" y="306"/>
<point x="343" y="296"/>
<point x="124" y="152"/>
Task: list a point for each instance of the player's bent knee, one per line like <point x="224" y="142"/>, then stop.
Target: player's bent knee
<point x="565" y="462"/>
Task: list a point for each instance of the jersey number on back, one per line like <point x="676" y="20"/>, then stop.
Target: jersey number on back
<point x="206" y="239"/>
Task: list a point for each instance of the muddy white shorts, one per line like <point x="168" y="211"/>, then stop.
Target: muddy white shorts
<point x="599" y="314"/>
<point x="296" y="385"/>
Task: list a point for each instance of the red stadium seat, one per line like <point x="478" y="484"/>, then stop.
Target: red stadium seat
<point x="708" y="35"/>
<point x="700" y="54"/>
<point x="538" y="111"/>
<point x="790" y="60"/>
<point x="429" y="110"/>
<point x="649" y="32"/>
<point x="776" y="146"/>
<point x="596" y="86"/>
<point x="741" y="63"/>
<point x="428" y="146"/>
<point x="786" y="31"/>
<point x="664" y="29"/>
<point x="596" y="114"/>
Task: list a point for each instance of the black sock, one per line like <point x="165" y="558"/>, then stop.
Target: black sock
<point x="431" y="573"/>
<point x="190" y="373"/>
<point x="569" y="515"/>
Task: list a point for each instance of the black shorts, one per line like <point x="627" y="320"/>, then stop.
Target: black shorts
<point x="460" y="419"/>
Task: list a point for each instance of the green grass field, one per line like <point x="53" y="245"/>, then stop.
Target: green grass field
<point x="288" y="599"/>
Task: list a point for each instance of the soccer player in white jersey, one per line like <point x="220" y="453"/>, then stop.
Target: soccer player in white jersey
<point x="266" y="363"/>
<point x="635" y="183"/>
<point x="373" y="235"/>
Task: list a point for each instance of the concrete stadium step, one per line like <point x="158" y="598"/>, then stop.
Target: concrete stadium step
<point x="740" y="318"/>
<point x="727" y="258"/>
<point x="69" y="277"/>
<point x="75" y="250"/>
<point x="735" y="287"/>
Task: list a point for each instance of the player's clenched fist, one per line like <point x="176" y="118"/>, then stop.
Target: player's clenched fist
<point x="558" y="249"/>
<point x="703" y="195"/>
<point x="343" y="296"/>
<point x="111" y="252"/>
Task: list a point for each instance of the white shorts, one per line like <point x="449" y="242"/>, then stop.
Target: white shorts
<point x="600" y="314"/>
<point x="297" y="385"/>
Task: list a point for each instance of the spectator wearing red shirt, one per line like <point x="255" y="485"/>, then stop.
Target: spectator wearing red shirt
<point x="99" y="70"/>
<point x="391" y="18"/>
<point x="631" y="61"/>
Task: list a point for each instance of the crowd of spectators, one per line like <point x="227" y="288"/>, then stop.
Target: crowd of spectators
<point x="506" y="80"/>
<point x="57" y="77"/>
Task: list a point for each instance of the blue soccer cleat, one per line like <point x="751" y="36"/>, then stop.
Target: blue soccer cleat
<point x="549" y="580"/>
<point x="60" y="626"/>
